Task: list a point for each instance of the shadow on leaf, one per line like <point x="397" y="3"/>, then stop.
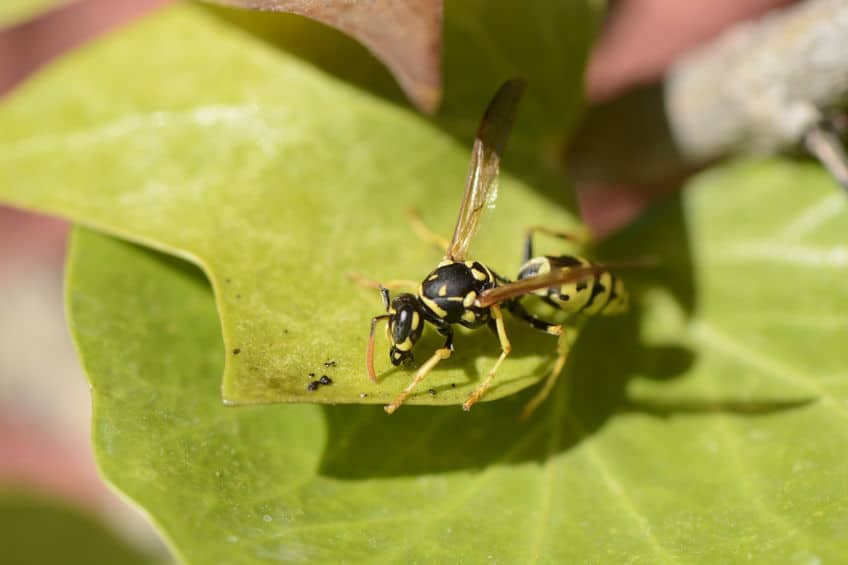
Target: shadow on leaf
<point x="364" y="442"/>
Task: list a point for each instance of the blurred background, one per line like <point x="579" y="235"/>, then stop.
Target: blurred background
<point x="47" y="471"/>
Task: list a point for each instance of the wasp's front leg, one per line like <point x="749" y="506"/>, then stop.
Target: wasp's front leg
<point x="440" y="354"/>
<point x="506" y="347"/>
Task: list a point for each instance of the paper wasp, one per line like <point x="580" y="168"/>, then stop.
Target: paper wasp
<point x="467" y="292"/>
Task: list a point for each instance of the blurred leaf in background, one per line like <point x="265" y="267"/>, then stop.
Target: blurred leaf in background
<point x="17" y="11"/>
<point x="36" y="529"/>
<point x="405" y="36"/>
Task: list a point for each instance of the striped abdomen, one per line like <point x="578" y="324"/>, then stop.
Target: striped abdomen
<point x="602" y="293"/>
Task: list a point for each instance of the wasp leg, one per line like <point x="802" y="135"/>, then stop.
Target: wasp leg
<point x="580" y="239"/>
<point x="517" y="310"/>
<point x="442" y="353"/>
<point x="425" y="233"/>
<point x="563" y="347"/>
<point x="391" y="285"/>
<point x="506" y="347"/>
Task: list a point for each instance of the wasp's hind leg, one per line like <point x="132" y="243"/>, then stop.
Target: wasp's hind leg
<point x="566" y="340"/>
<point x="425" y="233"/>
<point x="440" y="354"/>
<point x="517" y="310"/>
<point x="581" y="239"/>
<point x="506" y="347"/>
<point x="563" y="346"/>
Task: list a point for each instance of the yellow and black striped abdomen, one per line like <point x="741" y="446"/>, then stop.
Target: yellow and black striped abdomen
<point x="601" y="294"/>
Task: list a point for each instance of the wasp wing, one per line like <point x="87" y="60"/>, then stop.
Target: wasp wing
<point x="552" y="279"/>
<point x="481" y="186"/>
<point x="528" y="285"/>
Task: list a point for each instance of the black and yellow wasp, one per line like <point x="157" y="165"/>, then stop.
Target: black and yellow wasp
<point x="467" y="292"/>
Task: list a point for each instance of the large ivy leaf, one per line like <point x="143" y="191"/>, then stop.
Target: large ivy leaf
<point x="278" y="181"/>
<point x="711" y="438"/>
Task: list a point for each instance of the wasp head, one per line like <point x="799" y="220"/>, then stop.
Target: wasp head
<point x="405" y="327"/>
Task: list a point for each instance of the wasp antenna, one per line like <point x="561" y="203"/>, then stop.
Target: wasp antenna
<point x="369" y="356"/>
<point x="363" y="281"/>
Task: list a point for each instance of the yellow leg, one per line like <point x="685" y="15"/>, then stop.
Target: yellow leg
<point x="506" y="347"/>
<point x="425" y="233"/>
<point x="423" y="371"/>
<point x="563" y="347"/>
<point x="391" y="285"/>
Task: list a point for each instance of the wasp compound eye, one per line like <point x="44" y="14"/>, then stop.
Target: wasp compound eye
<point x="402" y="326"/>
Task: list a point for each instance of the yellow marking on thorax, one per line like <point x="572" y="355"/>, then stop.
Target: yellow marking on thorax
<point x="431" y="304"/>
<point x="443" y="290"/>
<point x="479" y="275"/>
<point x="469" y="299"/>
<point x="469" y="316"/>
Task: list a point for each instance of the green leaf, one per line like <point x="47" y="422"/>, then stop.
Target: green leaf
<point x="278" y="181"/>
<point x="709" y="436"/>
<point x="36" y="529"/>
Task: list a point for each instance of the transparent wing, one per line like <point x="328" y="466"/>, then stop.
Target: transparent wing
<point x="481" y="187"/>
<point x="552" y="279"/>
<point x="528" y="285"/>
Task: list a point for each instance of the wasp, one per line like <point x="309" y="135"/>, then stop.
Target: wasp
<point x="465" y="292"/>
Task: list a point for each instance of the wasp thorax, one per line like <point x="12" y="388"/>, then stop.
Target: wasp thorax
<point x="405" y="327"/>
